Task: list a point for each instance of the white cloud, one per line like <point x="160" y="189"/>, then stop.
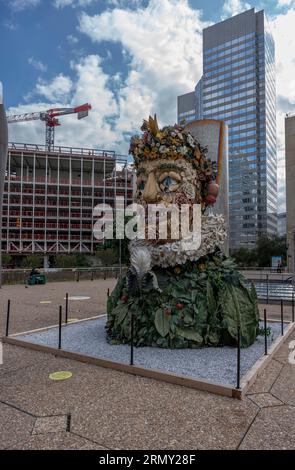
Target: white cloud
<point x="85" y="3"/>
<point x="233" y="7"/>
<point x="125" y="3"/>
<point x="90" y="85"/>
<point x="19" y="5"/>
<point x="283" y="3"/>
<point x="58" y="89"/>
<point x="37" y="64"/>
<point x="72" y="40"/>
<point x="164" y="45"/>
<point x="72" y="3"/>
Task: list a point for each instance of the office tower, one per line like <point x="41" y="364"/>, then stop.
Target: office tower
<point x="199" y="99"/>
<point x="238" y="86"/>
<point x="290" y="185"/>
<point x="186" y="107"/>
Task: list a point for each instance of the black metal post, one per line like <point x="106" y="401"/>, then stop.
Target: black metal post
<point x="108" y="292"/>
<point x="104" y="275"/>
<point x="78" y="276"/>
<point x="91" y="275"/>
<point x="132" y="340"/>
<point x="7" y="318"/>
<point x="67" y="306"/>
<point x="293" y="305"/>
<point x="239" y="358"/>
<point x="265" y="335"/>
<point x="116" y="273"/>
<point x="59" y="327"/>
<point x="282" y="316"/>
<point x="267" y="289"/>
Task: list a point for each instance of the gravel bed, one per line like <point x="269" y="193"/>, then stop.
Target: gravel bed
<point x="215" y="364"/>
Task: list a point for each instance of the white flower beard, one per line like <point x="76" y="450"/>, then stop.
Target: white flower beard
<point x="213" y="234"/>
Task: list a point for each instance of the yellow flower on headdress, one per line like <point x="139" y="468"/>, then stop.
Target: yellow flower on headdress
<point x="159" y="135"/>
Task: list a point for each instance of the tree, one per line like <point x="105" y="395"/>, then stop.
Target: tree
<point x="245" y="257"/>
<point x="6" y="259"/>
<point x="267" y="247"/>
<point x="261" y="255"/>
<point x="32" y="261"/>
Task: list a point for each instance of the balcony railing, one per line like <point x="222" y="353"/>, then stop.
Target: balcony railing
<point x="104" y="154"/>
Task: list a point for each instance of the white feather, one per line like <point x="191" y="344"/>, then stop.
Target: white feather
<point x="141" y="260"/>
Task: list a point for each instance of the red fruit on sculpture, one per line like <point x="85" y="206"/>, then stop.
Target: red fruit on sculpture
<point x="213" y="189"/>
<point x="179" y="306"/>
<point x="124" y="298"/>
<point x="210" y="200"/>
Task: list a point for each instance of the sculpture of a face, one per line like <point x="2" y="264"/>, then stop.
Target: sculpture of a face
<point x="167" y="182"/>
<point x="171" y="167"/>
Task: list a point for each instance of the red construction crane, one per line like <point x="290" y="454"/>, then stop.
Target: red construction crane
<point x="50" y="118"/>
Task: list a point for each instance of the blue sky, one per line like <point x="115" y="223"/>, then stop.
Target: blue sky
<point x="128" y="58"/>
<point x="39" y="32"/>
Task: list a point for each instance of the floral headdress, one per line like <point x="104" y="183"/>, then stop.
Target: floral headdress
<point x="170" y="142"/>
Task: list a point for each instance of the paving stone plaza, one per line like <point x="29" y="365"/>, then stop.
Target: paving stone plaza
<point x="99" y="408"/>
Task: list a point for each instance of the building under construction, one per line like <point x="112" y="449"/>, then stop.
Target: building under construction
<point x="49" y="197"/>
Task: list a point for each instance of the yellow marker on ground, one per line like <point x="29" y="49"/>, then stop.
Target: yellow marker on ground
<point x="72" y="320"/>
<point x="45" y="301"/>
<point x="60" y="375"/>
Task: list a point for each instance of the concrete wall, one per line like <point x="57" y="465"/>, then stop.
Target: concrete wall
<point x="213" y="134"/>
<point x="290" y="188"/>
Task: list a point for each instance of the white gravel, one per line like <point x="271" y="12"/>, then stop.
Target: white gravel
<point x="215" y="364"/>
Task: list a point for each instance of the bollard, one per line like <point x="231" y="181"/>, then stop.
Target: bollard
<point x="265" y="335"/>
<point x="78" y="276"/>
<point x="104" y="275"/>
<point x="131" y="340"/>
<point x="7" y="318"/>
<point x="282" y="317"/>
<point x="108" y="294"/>
<point x="67" y="307"/>
<point x="239" y="358"/>
<point x="293" y="307"/>
<point x="91" y="275"/>
<point x="59" y="327"/>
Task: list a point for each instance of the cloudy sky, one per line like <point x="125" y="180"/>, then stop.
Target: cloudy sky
<point x="128" y="58"/>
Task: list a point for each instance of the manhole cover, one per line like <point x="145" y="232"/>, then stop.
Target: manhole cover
<point x="60" y="375"/>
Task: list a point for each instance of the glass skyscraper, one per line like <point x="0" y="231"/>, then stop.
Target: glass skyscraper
<point x="238" y="86"/>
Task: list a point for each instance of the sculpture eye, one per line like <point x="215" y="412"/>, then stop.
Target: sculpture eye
<point x="168" y="182"/>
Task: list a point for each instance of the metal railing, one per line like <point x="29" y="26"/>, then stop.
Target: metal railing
<point x="63" y="150"/>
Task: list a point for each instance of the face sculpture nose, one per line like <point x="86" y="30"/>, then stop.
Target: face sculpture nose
<point x="151" y="189"/>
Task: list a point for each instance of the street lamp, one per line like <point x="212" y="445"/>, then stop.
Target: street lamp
<point x="3" y="161"/>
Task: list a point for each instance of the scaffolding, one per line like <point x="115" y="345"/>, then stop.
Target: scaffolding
<point x="49" y="197"/>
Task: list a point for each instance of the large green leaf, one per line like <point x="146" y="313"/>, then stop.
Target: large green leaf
<point x="210" y="299"/>
<point x="239" y="309"/>
<point x="162" y="322"/>
<point x="120" y="313"/>
<point x="190" y="334"/>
